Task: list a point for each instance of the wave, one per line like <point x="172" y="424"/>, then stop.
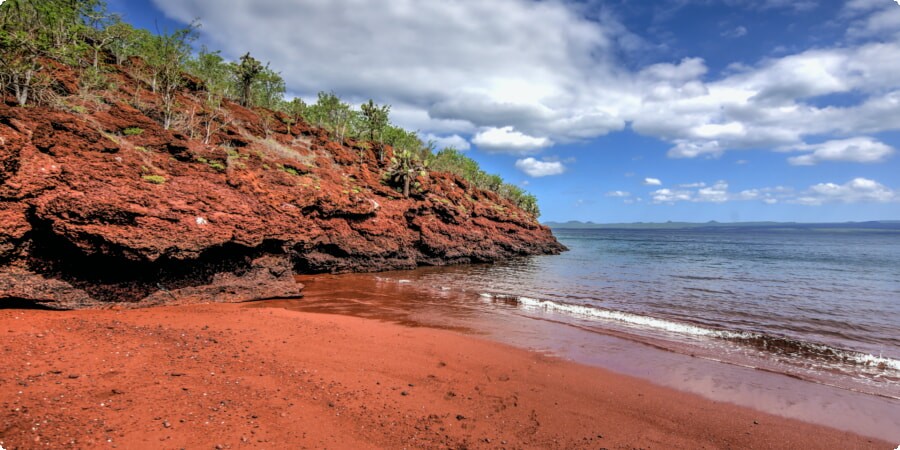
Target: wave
<point x="771" y="344"/>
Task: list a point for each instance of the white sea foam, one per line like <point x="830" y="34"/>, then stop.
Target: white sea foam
<point x="629" y="318"/>
<point x="589" y="312"/>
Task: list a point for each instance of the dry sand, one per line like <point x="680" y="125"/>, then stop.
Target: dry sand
<point x="233" y="376"/>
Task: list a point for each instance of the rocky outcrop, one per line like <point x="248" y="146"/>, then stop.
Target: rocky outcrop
<point x="101" y="205"/>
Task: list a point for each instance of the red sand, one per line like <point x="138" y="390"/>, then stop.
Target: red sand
<point x="229" y="376"/>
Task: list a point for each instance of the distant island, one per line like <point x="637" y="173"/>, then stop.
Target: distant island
<point x="877" y="225"/>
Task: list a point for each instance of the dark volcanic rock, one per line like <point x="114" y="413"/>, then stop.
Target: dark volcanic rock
<point x="92" y="215"/>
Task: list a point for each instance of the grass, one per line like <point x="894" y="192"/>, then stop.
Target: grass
<point x="214" y="163"/>
<point x="155" y="179"/>
<point x="288" y="169"/>
<point x="133" y="131"/>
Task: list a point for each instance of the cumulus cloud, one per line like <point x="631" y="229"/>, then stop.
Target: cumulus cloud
<point x="618" y="194"/>
<point x="534" y="168"/>
<point x="508" y="140"/>
<point x="456" y="141"/>
<point x="858" y="190"/>
<point x="878" y="18"/>
<point x="488" y="64"/>
<point x="770" y="105"/>
<point x="520" y="75"/>
<point x="717" y="193"/>
<point x="860" y="150"/>
<point x="670" y="196"/>
<point x="652" y="182"/>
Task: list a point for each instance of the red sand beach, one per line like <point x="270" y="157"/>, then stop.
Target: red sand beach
<point x="232" y="376"/>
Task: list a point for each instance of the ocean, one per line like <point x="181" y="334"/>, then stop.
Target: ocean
<point x="781" y="310"/>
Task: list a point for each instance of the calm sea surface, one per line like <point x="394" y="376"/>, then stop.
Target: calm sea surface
<point x="822" y="307"/>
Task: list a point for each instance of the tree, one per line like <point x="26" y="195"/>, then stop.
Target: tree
<point x="453" y="161"/>
<point x="296" y="109"/>
<point x="101" y="30"/>
<point x="334" y="115"/>
<point x="31" y="30"/>
<point x="268" y="89"/>
<point x="124" y="41"/>
<point x="246" y="73"/>
<point x="405" y="166"/>
<point x="215" y="73"/>
<point x="166" y="55"/>
<point x="375" y="118"/>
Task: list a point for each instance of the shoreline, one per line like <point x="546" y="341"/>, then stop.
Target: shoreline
<point x="419" y="298"/>
<point x="238" y="376"/>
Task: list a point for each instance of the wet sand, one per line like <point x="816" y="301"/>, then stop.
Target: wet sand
<point x="403" y="298"/>
<point x="233" y="376"/>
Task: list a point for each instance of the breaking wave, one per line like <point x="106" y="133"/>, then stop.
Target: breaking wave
<point x="778" y="345"/>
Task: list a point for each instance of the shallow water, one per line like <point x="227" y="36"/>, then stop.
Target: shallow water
<point x="800" y="323"/>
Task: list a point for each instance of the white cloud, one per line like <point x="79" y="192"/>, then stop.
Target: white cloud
<point x="768" y="106"/>
<point x="652" y="182"/>
<point x="879" y="19"/>
<point x="858" y="190"/>
<point x="860" y="150"/>
<point x="717" y="193"/>
<point x="441" y="142"/>
<point x="521" y="75"/>
<point x="618" y="194"/>
<point x="693" y="185"/>
<point x="507" y="140"/>
<point x="487" y="64"/>
<point x="534" y="168"/>
<point x="670" y="196"/>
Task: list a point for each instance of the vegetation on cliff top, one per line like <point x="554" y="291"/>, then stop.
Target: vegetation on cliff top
<point x="36" y="35"/>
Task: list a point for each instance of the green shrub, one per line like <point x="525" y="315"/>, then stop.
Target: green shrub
<point x="155" y="179"/>
<point x="132" y="131"/>
<point x="288" y="169"/>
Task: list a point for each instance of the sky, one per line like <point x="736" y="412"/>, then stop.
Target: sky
<point x="609" y="111"/>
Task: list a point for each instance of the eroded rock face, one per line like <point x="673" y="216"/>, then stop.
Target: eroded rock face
<point x="92" y="215"/>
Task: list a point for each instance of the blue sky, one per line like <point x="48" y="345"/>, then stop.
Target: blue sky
<point x="610" y="111"/>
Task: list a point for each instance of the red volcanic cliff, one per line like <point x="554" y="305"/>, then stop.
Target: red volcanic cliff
<point x="91" y="213"/>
